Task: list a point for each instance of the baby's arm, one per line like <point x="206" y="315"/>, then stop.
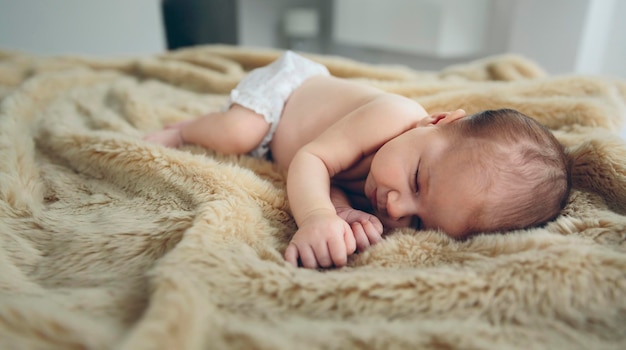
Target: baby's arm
<point x="323" y="238"/>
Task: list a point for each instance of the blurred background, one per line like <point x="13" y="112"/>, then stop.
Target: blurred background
<point x="563" y="36"/>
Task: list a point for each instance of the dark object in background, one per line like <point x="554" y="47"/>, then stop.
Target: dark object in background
<point x="196" y="22"/>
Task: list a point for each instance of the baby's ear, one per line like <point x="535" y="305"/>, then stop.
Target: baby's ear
<point x="446" y="117"/>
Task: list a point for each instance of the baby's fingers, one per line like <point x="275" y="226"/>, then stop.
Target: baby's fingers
<point x="374" y="235"/>
<point x="322" y="254"/>
<point x="362" y="241"/>
<point x="376" y="224"/>
<point x="349" y="239"/>
<point x="307" y="257"/>
<point x="291" y="254"/>
<point x="337" y="249"/>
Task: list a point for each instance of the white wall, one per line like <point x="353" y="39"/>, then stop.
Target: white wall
<point x="91" y="27"/>
<point x="548" y="31"/>
<point x="259" y="22"/>
<point x="596" y="37"/>
<point x="563" y="36"/>
<point x="571" y="36"/>
<point x="444" y="28"/>
<point x="614" y="63"/>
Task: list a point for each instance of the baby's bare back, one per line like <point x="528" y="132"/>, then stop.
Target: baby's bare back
<point x="316" y="105"/>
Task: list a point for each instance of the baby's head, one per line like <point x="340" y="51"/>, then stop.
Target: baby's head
<point x="522" y="171"/>
<point x="493" y="171"/>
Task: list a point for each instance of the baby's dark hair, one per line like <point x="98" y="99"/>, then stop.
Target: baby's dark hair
<point x="525" y="173"/>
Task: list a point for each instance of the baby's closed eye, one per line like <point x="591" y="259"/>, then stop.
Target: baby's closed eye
<point x="416" y="186"/>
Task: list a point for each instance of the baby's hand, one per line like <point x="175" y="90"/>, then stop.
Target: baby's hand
<point x="367" y="228"/>
<point x="322" y="240"/>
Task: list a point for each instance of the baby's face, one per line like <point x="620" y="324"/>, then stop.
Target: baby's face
<point x="416" y="180"/>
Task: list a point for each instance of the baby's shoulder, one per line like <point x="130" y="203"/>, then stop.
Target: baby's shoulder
<point x="402" y="107"/>
<point x="386" y="113"/>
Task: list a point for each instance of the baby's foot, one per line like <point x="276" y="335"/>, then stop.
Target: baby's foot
<point x="178" y="125"/>
<point x="167" y="137"/>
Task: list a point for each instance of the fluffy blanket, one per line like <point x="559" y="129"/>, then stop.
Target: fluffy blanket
<point x="107" y="241"/>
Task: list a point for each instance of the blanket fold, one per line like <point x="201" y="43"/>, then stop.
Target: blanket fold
<point x="107" y="241"/>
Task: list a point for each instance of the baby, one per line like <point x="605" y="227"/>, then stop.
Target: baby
<point x="360" y="161"/>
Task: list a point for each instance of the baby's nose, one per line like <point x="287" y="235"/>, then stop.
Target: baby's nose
<point x="397" y="206"/>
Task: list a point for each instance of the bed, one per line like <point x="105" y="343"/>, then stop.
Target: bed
<point x="107" y="241"/>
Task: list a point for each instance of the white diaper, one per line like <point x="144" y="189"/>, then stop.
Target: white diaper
<point x="265" y="90"/>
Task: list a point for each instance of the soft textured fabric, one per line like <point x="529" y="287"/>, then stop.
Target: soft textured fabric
<point x="265" y="90"/>
<point x="108" y="242"/>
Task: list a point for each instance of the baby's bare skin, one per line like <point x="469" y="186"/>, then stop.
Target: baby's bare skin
<point x="311" y="109"/>
<point x="328" y="138"/>
<point x="329" y="149"/>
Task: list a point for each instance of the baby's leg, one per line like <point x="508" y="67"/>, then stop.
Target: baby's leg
<point x="236" y="131"/>
<point x="178" y="125"/>
<point x="165" y="137"/>
<point x="170" y="135"/>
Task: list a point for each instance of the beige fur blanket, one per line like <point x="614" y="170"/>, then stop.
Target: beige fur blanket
<point x="107" y="241"/>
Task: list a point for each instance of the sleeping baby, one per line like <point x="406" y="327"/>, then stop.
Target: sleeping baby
<point x="361" y="161"/>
